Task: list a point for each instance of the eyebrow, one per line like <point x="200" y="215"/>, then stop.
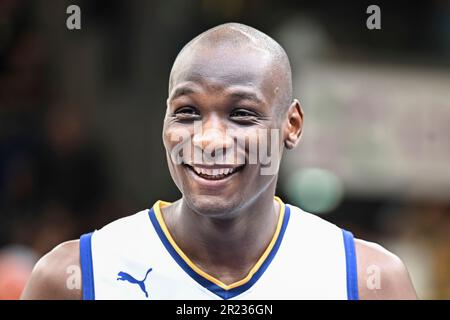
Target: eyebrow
<point x="244" y="95"/>
<point x="182" y="91"/>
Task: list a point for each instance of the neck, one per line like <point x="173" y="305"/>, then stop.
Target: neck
<point x="224" y="248"/>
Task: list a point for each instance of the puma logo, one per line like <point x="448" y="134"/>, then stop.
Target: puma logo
<point x="123" y="276"/>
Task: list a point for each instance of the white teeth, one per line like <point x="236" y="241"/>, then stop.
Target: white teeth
<point x="213" y="172"/>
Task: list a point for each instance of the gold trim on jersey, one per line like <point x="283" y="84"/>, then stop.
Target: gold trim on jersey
<point x="157" y="209"/>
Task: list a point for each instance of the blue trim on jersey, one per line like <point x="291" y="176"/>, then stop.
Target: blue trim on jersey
<point x="224" y="294"/>
<point x="350" y="258"/>
<point x="86" y="267"/>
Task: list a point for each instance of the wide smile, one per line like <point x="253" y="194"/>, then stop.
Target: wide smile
<point x="214" y="173"/>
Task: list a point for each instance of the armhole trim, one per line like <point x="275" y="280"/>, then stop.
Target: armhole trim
<point x="351" y="267"/>
<point x="87" y="274"/>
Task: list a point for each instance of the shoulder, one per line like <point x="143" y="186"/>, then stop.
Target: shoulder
<point x="57" y="275"/>
<point x="381" y="274"/>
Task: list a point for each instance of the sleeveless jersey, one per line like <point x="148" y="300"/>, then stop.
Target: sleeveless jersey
<point x="136" y="258"/>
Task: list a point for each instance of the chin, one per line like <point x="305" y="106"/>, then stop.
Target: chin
<point x="214" y="206"/>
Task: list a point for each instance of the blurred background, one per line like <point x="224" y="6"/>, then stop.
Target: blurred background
<point x="81" y="117"/>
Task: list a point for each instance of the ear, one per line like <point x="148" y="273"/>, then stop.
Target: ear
<point x="293" y="125"/>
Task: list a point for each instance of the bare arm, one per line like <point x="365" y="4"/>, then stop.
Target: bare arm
<point x="57" y="275"/>
<point x="381" y="274"/>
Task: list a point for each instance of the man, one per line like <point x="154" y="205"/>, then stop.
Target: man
<point x="228" y="237"/>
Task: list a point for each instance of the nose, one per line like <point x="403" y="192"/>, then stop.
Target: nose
<point x="211" y="134"/>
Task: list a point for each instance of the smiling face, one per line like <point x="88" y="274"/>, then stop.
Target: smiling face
<point x="218" y="95"/>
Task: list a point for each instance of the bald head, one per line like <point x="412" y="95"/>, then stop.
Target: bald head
<point x="234" y="50"/>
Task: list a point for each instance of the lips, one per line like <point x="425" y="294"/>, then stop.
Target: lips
<point x="214" y="172"/>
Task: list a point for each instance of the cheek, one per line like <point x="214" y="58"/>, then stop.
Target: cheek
<point x="249" y="136"/>
<point x="167" y="140"/>
<point x="175" y="171"/>
<point x="263" y="141"/>
<point x="174" y="136"/>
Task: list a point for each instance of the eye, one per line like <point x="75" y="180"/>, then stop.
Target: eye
<point x="243" y="114"/>
<point x="187" y="112"/>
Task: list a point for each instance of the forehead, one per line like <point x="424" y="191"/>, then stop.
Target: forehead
<point x="225" y="67"/>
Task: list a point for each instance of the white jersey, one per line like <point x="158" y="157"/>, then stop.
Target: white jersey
<point x="136" y="258"/>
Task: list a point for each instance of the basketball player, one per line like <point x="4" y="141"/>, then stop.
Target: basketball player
<point x="229" y="236"/>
